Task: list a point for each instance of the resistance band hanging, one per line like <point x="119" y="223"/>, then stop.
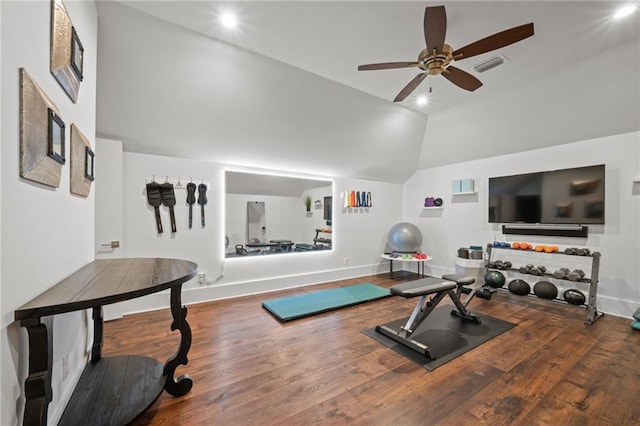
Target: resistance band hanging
<point x="191" y="199"/>
<point x="202" y="199"/>
<point x="169" y="200"/>
<point x="155" y="200"/>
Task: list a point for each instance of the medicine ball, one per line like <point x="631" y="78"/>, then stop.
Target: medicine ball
<point x="574" y="296"/>
<point x="494" y="279"/>
<point x="519" y="287"/>
<point x="545" y="290"/>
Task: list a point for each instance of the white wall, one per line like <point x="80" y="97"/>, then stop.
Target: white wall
<point x="360" y="234"/>
<point x="183" y="94"/>
<point x="464" y="219"/>
<point x="46" y="233"/>
<point x="280" y="214"/>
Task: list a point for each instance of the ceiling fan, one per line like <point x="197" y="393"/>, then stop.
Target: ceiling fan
<point x="436" y="58"/>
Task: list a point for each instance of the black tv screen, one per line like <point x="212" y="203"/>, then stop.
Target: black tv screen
<point x="567" y="196"/>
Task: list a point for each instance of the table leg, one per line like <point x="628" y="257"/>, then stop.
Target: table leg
<point x="96" y="348"/>
<point x="37" y="385"/>
<point x="183" y="384"/>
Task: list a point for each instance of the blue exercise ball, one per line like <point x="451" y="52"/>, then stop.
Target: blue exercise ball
<point x="405" y="237"/>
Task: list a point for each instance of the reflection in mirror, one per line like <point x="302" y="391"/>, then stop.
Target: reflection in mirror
<point x="256" y="226"/>
<point x="266" y="214"/>
<point x="55" y="137"/>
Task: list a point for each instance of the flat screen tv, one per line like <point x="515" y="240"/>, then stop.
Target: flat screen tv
<point x="567" y="196"/>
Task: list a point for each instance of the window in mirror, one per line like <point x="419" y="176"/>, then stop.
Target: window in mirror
<point x="266" y="215"/>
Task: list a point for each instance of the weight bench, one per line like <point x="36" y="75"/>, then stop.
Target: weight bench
<point x="438" y="288"/>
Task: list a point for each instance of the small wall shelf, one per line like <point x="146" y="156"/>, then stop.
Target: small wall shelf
<point x="464" y="193"/>
<point x="433" y="208"/>
<point x="463" y="186"/>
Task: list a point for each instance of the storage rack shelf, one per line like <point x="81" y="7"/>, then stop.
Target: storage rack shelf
<point x="592" y="313"/>
<point x="322" y="241"/>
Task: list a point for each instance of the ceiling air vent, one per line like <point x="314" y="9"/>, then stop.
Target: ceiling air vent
<point x="489" y="63"/>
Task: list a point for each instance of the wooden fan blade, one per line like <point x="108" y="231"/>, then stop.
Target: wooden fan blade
<point x="387" y="66"/>
<point x="435" y="28"/>
<point x="461" y="78"/>
<point x="410" y="87"/>
<point x="495" y="41"/>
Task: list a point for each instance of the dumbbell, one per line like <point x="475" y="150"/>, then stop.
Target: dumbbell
<point x="535" y="271"/>
<point x="524" y="269"/>
<point x="561" y="273"/>
<point x="575" y="275"/>
<point x="570" y="250"/>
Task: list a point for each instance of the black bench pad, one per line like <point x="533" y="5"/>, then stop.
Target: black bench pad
<point x="460" y="279"/>
<point x="422" y="287"/>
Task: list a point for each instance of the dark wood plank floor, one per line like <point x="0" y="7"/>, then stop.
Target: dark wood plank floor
<point x="249" y="369"/>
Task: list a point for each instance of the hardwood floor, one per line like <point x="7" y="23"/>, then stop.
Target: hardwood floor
<point x="249" y="369"/>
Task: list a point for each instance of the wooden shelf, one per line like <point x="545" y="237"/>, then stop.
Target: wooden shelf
<point x="114" y="391"/>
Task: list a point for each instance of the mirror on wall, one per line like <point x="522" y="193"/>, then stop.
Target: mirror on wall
<point x="269" y="214"/>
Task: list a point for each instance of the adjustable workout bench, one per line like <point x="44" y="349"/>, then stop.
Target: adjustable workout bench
<point x="449" y="285"/>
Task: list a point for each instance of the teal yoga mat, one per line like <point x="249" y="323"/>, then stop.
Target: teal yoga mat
<point x="289" y="308"/>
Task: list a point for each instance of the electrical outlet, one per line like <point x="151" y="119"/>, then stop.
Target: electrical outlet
<point x="65" y="367"/>
<point x="202" y="277"/>
<point x="345" y="261"/>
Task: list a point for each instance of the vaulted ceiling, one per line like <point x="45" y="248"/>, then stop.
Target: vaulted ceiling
<point x="282" y="90"/>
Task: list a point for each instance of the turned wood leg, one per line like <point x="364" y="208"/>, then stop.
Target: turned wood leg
<point x="96" y="348"/>
<point x="183" y="384"/>
<point x="37" y="385"/>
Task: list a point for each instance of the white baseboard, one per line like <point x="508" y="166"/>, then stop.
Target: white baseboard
<point x="228" y="290"/>
<point x="617" y="307"/>
<point x="608" y="305"/>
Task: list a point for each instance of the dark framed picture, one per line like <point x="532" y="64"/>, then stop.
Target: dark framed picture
<point x="55" y="137"/>
<point x="89" y="158"/>
<point x="77" y="54"/>
<point x="328" y="208"/>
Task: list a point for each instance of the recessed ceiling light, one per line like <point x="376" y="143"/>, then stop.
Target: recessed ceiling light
<point x="229" y="20"/>
<point x="422" y="100"/>
<point x="625" y="11"/>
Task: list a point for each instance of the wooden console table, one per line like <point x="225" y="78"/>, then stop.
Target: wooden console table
<point x="111" y="390"/>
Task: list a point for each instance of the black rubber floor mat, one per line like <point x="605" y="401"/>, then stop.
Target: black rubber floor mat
<point x="446" y="335"/>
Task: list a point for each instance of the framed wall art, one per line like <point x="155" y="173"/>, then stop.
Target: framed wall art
<point x="42" y="134"/>
<point x="67" y="52"/>
<point x="82" y="163"/>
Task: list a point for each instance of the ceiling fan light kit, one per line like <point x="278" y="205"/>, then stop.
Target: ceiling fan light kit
<point x="437" y="57"/>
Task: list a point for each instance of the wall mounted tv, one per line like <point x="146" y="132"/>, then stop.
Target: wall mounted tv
<point x="567" y="196"/>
